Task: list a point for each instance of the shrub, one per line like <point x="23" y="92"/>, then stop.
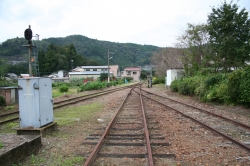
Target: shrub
<point x="113" y="83"/>
<point x="213" y="79"/>
<point x="120" y="81"/>
<point x="58" y="84"/>
<point x="201" y="91"/>
<point x="2" y="101"/>
<point x="92" y="86"/>
<point x="103" y="76"/>
<point x="127" y="78"/>
<point x="158" y="80"/>
<point x="234" y="80"/>
<point x="76" y="82"/>
<point x="244" y="87"/>
<point x="174" y="85"/>
<point x="64" y="88"/>
<point x="232" y="88"/>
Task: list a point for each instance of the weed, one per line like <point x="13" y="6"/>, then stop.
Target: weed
<point x="7" y="128"/>
<point x="57" y="93"/>
<point x="36" y="160"/>
<point x="1" y="145"/>
<point x="9" y="108"/>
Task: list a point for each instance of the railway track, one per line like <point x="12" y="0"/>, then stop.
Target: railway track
<point x="129" y="138"/>
<point x="10" y="117"/>
<point x="237" y="132"/>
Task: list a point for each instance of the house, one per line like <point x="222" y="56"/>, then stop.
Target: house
<point x="175" y="69"/>
<point x="173" y="74"/>
<point x="60" y="76"/>
<point x="114" y="69"/>
<point x="133" y="72"/>
<point x="12" y="75"/>
<point x="10" y="94"/>
<point x="93" y="71"/>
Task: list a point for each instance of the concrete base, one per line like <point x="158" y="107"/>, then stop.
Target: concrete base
<point x="37" y="131"/>
<point x="29" y="144"/>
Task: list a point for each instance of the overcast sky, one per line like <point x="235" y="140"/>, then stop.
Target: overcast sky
<point x="153" y="22"/>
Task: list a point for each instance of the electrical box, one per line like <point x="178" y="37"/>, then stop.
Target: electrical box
<point x="35" y="101"/>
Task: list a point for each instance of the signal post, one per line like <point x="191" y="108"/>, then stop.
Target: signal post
<point x="28" y="36"/>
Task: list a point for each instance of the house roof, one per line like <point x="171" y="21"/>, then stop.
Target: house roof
<point x="133" y="68"/>
<point x="88" y="73"/>
<point x="81" y="68"/>
<point x="91" y="67"/>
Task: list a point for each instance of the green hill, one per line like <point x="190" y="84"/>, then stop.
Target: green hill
<point x="124" y="54"/>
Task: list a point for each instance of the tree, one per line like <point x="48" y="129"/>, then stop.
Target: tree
<point x="3" y="67"/>
<point x="61" y="63"/>
<point x="144" y="74"/>
<point x="51" y="60"/>
<point x="229" y="36"/>
<point x="41" y="61"/>
<point x="194" y="46"/>
<point x="165" y="59"/>
<point x="19" y="68"/>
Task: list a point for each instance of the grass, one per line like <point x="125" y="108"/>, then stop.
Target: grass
<point x="74" y="114"/>
<point x="56" y="92"/>
<point x="65" y="117"/>
<point x="7" y="128"/>
<point x="69" y="161"/>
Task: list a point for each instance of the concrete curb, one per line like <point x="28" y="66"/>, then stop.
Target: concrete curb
<point x="19" y="153"/>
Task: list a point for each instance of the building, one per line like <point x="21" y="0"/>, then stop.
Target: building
<point x="133" y="72"/>
<point x="114" y="69"/>
<point x="93" y="71"/>
<point x="10" y="94"/>
<point x="173" y="74"/>
<point x="175" y="69"/>
<point x="60" y="76"/>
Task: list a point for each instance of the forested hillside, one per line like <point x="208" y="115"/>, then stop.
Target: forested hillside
<point x="124" y="54"/>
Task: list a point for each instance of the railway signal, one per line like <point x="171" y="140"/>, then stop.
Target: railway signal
<point x="28" y="34"/>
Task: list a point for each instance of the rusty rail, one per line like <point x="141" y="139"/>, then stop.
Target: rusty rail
<point x="214" y="114"/>
<point x="93" y="154"/>
<point x="206" y="126"/>
<point x="149" y="151"/>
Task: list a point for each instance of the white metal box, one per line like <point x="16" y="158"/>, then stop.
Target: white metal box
<point x="35" y="102"/>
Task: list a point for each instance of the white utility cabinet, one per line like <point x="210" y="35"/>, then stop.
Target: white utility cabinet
<point x="35" y="101"/>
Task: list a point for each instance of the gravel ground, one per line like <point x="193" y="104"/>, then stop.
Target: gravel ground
<point x="192" y="144"/>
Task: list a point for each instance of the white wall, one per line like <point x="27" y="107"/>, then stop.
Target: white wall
<point x="173" y="74"/>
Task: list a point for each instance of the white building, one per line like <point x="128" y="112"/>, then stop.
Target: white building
<point x="93" y="71"/>
<point x="173" y="74"/>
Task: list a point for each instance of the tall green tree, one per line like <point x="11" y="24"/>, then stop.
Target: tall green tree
<point x="51" y="59"/>
<point x="229" y="35"/>
<point x="41" y="61"/>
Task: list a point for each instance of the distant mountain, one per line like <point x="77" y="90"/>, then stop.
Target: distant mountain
<point x="124" y="54"/>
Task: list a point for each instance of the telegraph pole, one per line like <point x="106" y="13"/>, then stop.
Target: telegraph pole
<point x="30" y="66"/>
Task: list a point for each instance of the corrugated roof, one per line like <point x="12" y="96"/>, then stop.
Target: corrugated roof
<point x="133" y="68"/>
<point x="87" y="73"/>
<point x="91" y="67"/>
